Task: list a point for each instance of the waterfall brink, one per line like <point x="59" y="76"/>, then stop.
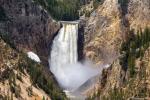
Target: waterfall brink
<point x="63" y="61"/>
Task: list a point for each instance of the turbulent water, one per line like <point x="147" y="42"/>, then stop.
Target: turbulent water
<point x="70" y="73"/>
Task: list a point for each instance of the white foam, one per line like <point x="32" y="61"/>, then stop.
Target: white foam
<point x="33" y="56"/>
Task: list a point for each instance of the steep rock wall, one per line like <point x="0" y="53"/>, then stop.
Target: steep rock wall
<point x="138" y="14"/>
<point x="109" y="26"/>
<point x="29" y="26"/>
<point x="103" y="33"/>
<point x="136" y="17"/>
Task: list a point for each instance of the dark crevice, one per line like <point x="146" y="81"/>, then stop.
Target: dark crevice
<point x="3" y="16"/>
<point x="80" y="43"/>
<point x="126" y="28"/>
<point x="124" y="6"/>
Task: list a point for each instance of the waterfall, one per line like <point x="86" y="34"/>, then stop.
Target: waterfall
<point x="64" y="49"/>
<point x="63" y="61"/>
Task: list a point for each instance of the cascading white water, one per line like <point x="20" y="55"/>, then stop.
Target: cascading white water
<point x="64" y="49"/>
<point x="63" y="59"/>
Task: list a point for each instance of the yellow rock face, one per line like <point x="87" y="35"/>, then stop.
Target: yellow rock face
<point x="109" y="27"/>
<point x="139" y="14"/>
<point x="104" y="33"/>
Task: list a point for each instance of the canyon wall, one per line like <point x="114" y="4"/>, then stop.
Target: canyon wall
<point x="105" y="31"/>
<point x="29" y="26"/>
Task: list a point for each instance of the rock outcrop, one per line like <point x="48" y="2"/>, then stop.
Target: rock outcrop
<point x="110" y="25"/>
<point x="29" y="26"/>
<point x="138" y="14"/>
<point x="103" y="33"/>
<point x="16" y="82"/>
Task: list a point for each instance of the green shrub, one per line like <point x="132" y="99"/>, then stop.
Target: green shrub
<point x="87" y="14"/>
<point x="134" y="48"/>
<point x="30" y="91"/>
<point x="116" y="94"/>
<point x="96" y="3"/>
<point x="40" y="78"/>
<point x="17" y="91"/>
<point x="64" y="9"/>
<point x="61" y="9"/>
<point x="14" y="88"/>
<point x="123" y="2"/>
<point x="18" y="76"/>
<point x="2" y="97"/>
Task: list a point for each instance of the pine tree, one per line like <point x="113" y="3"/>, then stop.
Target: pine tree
<point x="43" y="98"/>
<point x="11" y="97"/>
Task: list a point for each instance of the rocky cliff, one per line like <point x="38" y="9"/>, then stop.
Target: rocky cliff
<point x="19" y="77"/>
<point x="26" y="26"/>
<point x="103" y="33"/>
<point x="138" y="14"/>
<point x="29" y="26"/>
<point x="116" y="22"/>
<point x="110" y="24"/>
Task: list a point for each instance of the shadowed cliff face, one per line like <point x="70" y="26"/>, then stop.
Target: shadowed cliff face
<point x="30" y="27"/>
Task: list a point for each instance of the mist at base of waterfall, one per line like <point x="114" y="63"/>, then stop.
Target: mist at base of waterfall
<point x="72" y="76"/>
